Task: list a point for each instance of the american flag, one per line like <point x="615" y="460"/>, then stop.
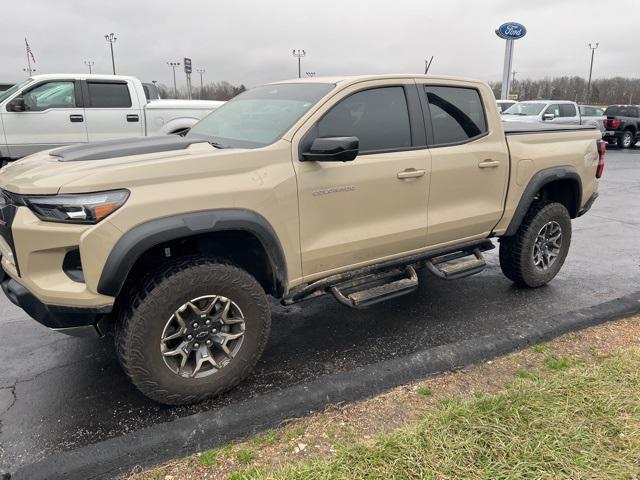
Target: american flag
<point x="29" y="52"/>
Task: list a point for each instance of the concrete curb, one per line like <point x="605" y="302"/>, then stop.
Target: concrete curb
<point x="210" y="429"/>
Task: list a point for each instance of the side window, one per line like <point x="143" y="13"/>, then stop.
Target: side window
<point x="634" y="112"/>
<point x="567" y="110"/>
<point x="50" y="95"/>
<point x="553" y="109"/>
<point x="108" y="95"/>
<point x="378" y="117"/>
<point x="457" y="114"/>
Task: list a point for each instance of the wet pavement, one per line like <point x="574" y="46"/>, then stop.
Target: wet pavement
<point x="59" y="393"/>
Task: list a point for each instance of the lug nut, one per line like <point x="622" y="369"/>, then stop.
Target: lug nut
<point x="208" y="342"/>
<point x="208" y="322"/>
<point x="213" y="330"/>
<point x="196" y="345"/>
<point x="189" y="337"/>
<point x="195" y="325"/>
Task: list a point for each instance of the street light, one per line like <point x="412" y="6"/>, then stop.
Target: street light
<point x="299" y="54"/>
<point x="89" y="64"/>
<point x="174" y="65"/>
<point x="201" y="72"/>
<point x="593" y="48"/>
<point x="29" y="71"/>
<point x="311" y="74"/>
<point x="111" y="39"/>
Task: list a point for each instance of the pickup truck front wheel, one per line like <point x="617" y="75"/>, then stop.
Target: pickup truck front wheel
<point x="534" y="255"/>
<point x="193" y="330"/>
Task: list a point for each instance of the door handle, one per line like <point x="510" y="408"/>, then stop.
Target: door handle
<point x="76" y="118"/>
<point x="489" y="163"/>
<point x="133" y="118"/>
<point x="411" y="173"/>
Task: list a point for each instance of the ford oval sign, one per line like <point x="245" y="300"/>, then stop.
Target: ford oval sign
<point x="511" y="31"/>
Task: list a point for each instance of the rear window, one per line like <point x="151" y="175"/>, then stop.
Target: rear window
<point x="109" y="95"/>
<point x="621" y="111"/>
<point x="457" y="114"/>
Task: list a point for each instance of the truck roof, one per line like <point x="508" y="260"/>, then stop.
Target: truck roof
<point x="548" y="101"/>
<point x="81" y="76"/>
<point x="347" y="79"/>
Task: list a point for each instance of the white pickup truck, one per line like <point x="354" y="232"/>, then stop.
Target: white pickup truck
<point x="563" y="112"/>
<point x="48" y="111"/>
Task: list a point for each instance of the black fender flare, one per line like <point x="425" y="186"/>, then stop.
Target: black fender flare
<point x="144" y="236"/>
<point x="539" y="180"/>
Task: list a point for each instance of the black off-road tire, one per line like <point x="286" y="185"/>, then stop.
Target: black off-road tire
<point x="627" y="140"/>
<point x="139" y="329"/>
<point x="516" y="252"/>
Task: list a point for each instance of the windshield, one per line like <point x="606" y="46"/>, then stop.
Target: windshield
<point x="524" y="108"/>
<point x="260" y="116"/>
<point x="7" y="93"/>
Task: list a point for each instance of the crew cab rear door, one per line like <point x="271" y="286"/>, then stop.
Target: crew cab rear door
<point x="373" y="207"/>
<point x="112" y="110"/>
<point x="469" y="158"/>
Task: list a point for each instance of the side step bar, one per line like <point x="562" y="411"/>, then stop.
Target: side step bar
<point x="442" y="267"/>
<point x="376" y="292"/>
<point x="375" y="283"/>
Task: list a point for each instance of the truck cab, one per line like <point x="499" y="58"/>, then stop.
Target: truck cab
<point x="547" y="111"/>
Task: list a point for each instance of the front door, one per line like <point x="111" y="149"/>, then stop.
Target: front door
<point x="470" y="163"/>
<point x="375" y="206"/>
<point x="50" y="114"/>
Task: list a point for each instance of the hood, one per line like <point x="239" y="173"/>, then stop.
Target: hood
<point x="520" y="118"/>
<point x="106" y="165"/>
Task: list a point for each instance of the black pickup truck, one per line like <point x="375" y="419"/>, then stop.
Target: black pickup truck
<point x="622" y="125"/>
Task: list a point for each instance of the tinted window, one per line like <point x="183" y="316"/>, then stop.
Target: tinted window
<point x="621" y="111"/>
<point x="378" y="117"/>
<point x="456" y="114"/>
<point x="50" y="95"/>
<point x="567" y="110"/>
<point x="109" y="95"/>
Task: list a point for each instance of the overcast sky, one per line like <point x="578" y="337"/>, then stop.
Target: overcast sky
<point x="251" y="41"/>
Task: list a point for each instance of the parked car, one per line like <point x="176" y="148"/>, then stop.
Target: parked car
<point x="47" y="111"/>
<point x="548" y="111"/>
<point x="318" y="186"/>
<point x="596" y="115"/>
<point x="504" y="104"/>
<point x="622" y="125"/>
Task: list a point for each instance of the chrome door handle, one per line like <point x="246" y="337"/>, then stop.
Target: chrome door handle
<point x="489" y="164"/>
<point x="411" y="173"/>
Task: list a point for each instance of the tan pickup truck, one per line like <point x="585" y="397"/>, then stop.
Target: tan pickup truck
<point x="340" y="186"/>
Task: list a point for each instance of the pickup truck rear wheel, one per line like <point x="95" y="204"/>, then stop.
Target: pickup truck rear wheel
<point x="194" y="329"/>
<point x="627" y="140"/>
<point x="534" y="255"/>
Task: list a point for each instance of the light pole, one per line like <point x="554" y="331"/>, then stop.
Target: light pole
<point x="593" y="48"/>
<point x="299" y="54"/>
<point x="174" y="65"/>
<point x="311" y="74"/>
<point x="89" y="64"/>
<point x="111" y="39"/>
<point x="29" y="71"/>
<point x="201" y="72"/>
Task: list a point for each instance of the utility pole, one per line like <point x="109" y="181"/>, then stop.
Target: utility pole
<point x="427" y="64"/>
<point x="593" y="48"/>
<point x="174" y="65"/>
<point x="111" y="39"/>
<point x="89" y="64"/>
<point x="201" y="72"/>
<point x="299" y="54"/>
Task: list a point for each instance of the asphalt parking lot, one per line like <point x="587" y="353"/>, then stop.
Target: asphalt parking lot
<point x="60" y="393"/>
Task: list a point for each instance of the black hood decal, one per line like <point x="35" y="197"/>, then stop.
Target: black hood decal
<point x="122" y="148"/>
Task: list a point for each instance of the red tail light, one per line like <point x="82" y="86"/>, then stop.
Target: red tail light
<point x="602" y="150"/>
<point x="613" y="123"/>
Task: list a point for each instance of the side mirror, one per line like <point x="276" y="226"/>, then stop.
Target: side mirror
<point x="16" y="105"/>
<point x="548" y="116"/>
<point x="333" y="149"/>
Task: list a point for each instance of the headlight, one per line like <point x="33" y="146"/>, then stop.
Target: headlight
<point x="76" y="208"/>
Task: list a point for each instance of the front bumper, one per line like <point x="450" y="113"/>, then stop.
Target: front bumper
<point x="76" y="321"/>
